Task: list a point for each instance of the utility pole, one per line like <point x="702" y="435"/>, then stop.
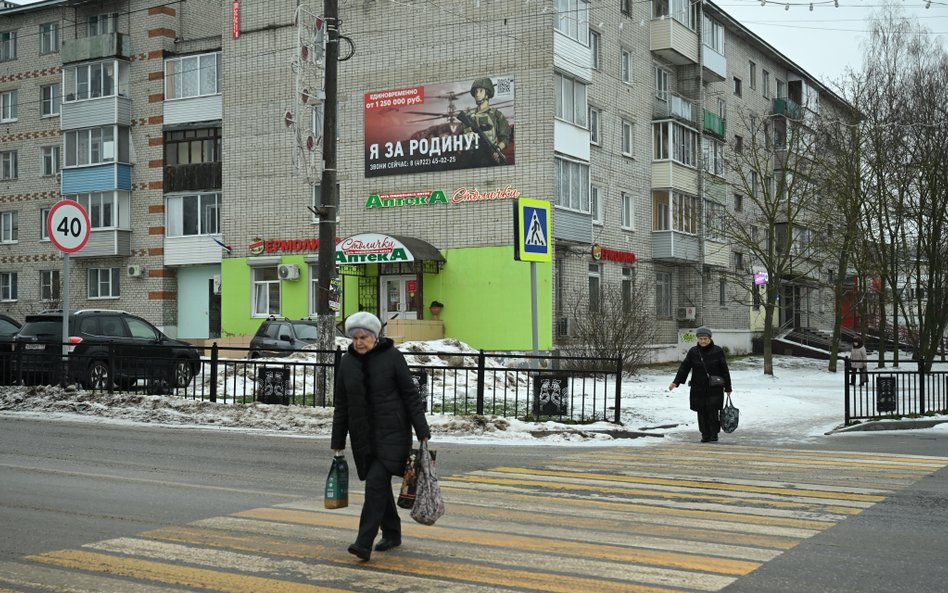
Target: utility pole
<point x="328" y="208"/>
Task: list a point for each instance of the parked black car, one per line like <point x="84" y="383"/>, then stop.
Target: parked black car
<point x="102" y="343"/>
<point x="9" y="327"/>
<point x="278" y="337"/>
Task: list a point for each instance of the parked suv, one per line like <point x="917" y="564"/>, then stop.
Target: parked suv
<point x="9" y="327"/>
<point x="278" y="337"/>
<point x="138" y="351"/>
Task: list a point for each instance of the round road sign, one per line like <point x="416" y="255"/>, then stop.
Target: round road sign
<point x="68" y="226"/>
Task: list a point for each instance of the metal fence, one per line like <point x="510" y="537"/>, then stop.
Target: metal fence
<point x="542" y="387"/>
<point x="876" y="393"/>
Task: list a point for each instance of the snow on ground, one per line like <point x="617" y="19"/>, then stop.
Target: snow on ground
<point x="801" y="401"/>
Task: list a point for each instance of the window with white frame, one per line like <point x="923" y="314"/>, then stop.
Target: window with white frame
<point x="8" y="106"/>
<point x="107" y="210"/>
<point x="714" y="220"/>
<point x="765" y="84"/>
<point x="8" y="288"/>
<point x="92" y="146"/>
<point x="313" y="289"/>
<point x="713" y="34"/>
<point x="595" y="204"/>
<point x="198" y="214"/>
<point x="193" y="76"/>
<point x="7" y="45"/>
<point x="713" y="153"/>
<point x="572" y="184"/>
<point x="595" y="288"/>
<point x="672" y="210"/>
<point x="266" y="291"/>
<point x="572" y="19"/>
<point x="50" y="100"/>
<point x="44" y="224"/>
<point x="781" y="92"/>
<point x="663" y="297"/>
<point x="50" y="286"/>
<point x="9" y="227"/>
<point x="51" y="160"/>
<point x="102" y="24"/>
<point x="683" y="11"/>
<point x="104" y="283"/>
<point x="570" y="99"/>
<point x="595" y="48"/>
<point x="752" y="73"/>
<point x="49" y="38"/>
<point x="673" y="141"/>
<point x="95" y="79"/>
<point x="628" y="212"/>
<point x="595" y="116"/>
<point x="625" y="65"/>
<point x="8" y="164"/>
<point x="661" y="83"/>
<point x="628" y="138"/>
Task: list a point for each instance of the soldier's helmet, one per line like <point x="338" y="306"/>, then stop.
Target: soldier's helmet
<point x="483" y="83"/>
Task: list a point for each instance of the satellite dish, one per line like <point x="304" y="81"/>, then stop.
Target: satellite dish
<point x="310" y="142"/>
<point x="305" y="97"/>
<point x="288" y="118"/>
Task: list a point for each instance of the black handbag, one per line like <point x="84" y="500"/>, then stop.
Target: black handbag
<point x="713" y="380"/>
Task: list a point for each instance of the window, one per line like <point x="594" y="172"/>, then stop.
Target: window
<point x="139" y="328"/>
<point x="266" y="291"/>
<point x="722" y="292"/>
<point x="722" y="108"/>
<point x="570" y="99"/>
<point x="625" y="65"/>
<point x="595" y="48"/>
<point x="738" y="261"/>
<point x="738" y="202"/>
<point x="49" y="38"/>
<point x="628" y="279"/>
<point x="8" y="106"/>
<point x="104" y="283"/>
<point x="781" y="89"/>
<point x="765" y="84"/>
<point x="628" y="212"/>
<point x="674" y="211"/>
<point x="661" y="83"/>
<point x="594" y="126"/>
<point x="595" y="204"/>
<point x="572" y="19"/>
<point x="50" y="285"/>
<point x="51" y="161"/>
<point x="96" y="79"/>
<point x="683" y="11"/>
<point x="625" y="6"/>
<point x="714" y="220"/>
<point x="738" y="143"/>
<point x="107" y="210"/>
<point x="7" y="45"/>
<point x="189" y="147"/>
<point x="8" y="164"/>
<point x="8" y="286"/>
<point x="50" y="100"/>
<point x="754" y="184"/>
<point x="102" y="24"/>
<point x="193" y="76"/>
<point x="628" y="138"/>
<point x="44" y="219"/>
<point x="572" y="184"/>
<point x="752" y="74"/>
<point x="194" y="215"/>
<point x="663" y="284"/>
<point x="595" y="293"/>
<point x="97" y="145"/>
<point x="713" y="153"/>
<point x="713" y="36"/>
<point x="737" y="86"/>
<point x="673" y="141"/>
<point x="9" y="231"/>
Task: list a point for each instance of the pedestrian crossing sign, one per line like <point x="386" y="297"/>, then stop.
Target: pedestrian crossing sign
<point x="532" y="230"/>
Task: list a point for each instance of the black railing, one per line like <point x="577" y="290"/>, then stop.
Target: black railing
<point x="877" y="393"/>
<point x="542" y="387"/>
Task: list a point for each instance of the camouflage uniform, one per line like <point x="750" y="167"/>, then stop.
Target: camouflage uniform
<point x="491" y="122"/>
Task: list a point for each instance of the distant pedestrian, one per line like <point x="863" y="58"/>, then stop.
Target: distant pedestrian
<point x="857" y="359"/>
<point x="707" y="365"/>
<point x="377" y="404"/>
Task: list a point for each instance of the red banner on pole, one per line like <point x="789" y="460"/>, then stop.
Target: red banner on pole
<point x="235" y="19"/>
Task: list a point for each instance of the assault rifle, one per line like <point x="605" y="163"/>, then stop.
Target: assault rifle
<point x="496" y="153"/>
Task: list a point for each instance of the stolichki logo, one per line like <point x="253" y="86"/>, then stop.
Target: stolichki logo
<point x="256" y="246"/>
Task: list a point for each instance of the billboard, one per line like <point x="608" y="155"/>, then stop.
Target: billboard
<point x="440" y="127"/>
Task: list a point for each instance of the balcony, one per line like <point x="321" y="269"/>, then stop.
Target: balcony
<point x="107" y="243"/>
<point x="196" y="177"/>
<point x="715" y="125"/>
<point x="674" y="175"/>
<point x="673" y="41"/>
<point x="96" y="47"/>
<point x="93" y="113"/>
<point x="569" y="225"/>
<point x="675" y="247"/>
<point x="96" y="178"/>
<point x="788" y="108"/>
<point x="714" y="65"/>
<point x="677" y="107"/>
<point x="192" y="250"/>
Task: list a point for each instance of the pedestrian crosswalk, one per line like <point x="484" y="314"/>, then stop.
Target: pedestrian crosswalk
<point x="666" y="519"/>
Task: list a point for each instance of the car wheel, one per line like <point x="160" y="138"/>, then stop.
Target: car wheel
<point x="183" y="372"/>
<point x="98" y="375"/>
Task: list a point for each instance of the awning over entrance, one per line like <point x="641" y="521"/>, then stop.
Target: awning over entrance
<point x="376" y="248"/>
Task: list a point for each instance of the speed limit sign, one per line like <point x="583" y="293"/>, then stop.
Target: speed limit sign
<point x="68" y="226"/>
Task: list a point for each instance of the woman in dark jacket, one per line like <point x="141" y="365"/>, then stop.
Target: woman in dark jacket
<point x="377" y="404"/>
<point x="702" y="361"/>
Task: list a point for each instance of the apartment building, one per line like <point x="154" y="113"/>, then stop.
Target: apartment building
<point x="200" y="156"/>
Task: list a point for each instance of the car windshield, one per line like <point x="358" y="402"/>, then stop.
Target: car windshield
<point x="305" y="331"/>
<point x="42" y="327"/>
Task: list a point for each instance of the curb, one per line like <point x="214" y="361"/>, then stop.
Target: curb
<point x="889" y="425"/>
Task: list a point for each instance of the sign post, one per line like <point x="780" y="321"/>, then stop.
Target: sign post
<point x="532" y="243"/>
<point x="68" y="229"/>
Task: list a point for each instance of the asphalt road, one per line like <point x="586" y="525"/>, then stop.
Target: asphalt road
<point x="65" y="485"/>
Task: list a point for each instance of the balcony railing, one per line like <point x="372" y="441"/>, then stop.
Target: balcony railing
<point x="787" y="107"/>
<point x="96" y="47"/>
<point x="715" y="124"/>
<point x="677" y="107"/>
<point x="196" y="177"/>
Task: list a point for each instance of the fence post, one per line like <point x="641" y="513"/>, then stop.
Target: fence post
<point x="214" y="353"/>
<point x="921" y="386"/>
<point x="618" y="390"/>
<point x="847" y="368"/>
<point x="481" y="359"/>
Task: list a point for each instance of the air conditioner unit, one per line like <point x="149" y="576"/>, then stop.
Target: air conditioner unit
<point x="134" y="271"/>
<point x="216" y="283"/>
<point x="686" y="313"/>
<point x="564" y="327"/>
<point x="288" y="272"/>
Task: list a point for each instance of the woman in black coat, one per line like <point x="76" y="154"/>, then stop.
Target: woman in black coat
<point x="701" y="361"/>
<point x="377" y="404"/>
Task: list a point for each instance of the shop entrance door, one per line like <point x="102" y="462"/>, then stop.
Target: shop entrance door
<point x="399" y="295"/>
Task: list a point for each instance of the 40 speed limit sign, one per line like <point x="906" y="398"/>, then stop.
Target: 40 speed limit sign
<point x="68" y="226"/>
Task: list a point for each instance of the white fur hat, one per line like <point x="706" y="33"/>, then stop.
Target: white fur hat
<point x="363" y="320"/>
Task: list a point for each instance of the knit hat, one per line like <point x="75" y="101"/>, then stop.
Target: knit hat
<point x="365" y="321"/>
<point x="703" y="331"/>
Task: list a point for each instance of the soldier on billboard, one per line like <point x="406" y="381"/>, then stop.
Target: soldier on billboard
<point x="488" y="123"/>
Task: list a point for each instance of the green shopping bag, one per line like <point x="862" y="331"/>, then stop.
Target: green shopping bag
<point x="337" y="484"/>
